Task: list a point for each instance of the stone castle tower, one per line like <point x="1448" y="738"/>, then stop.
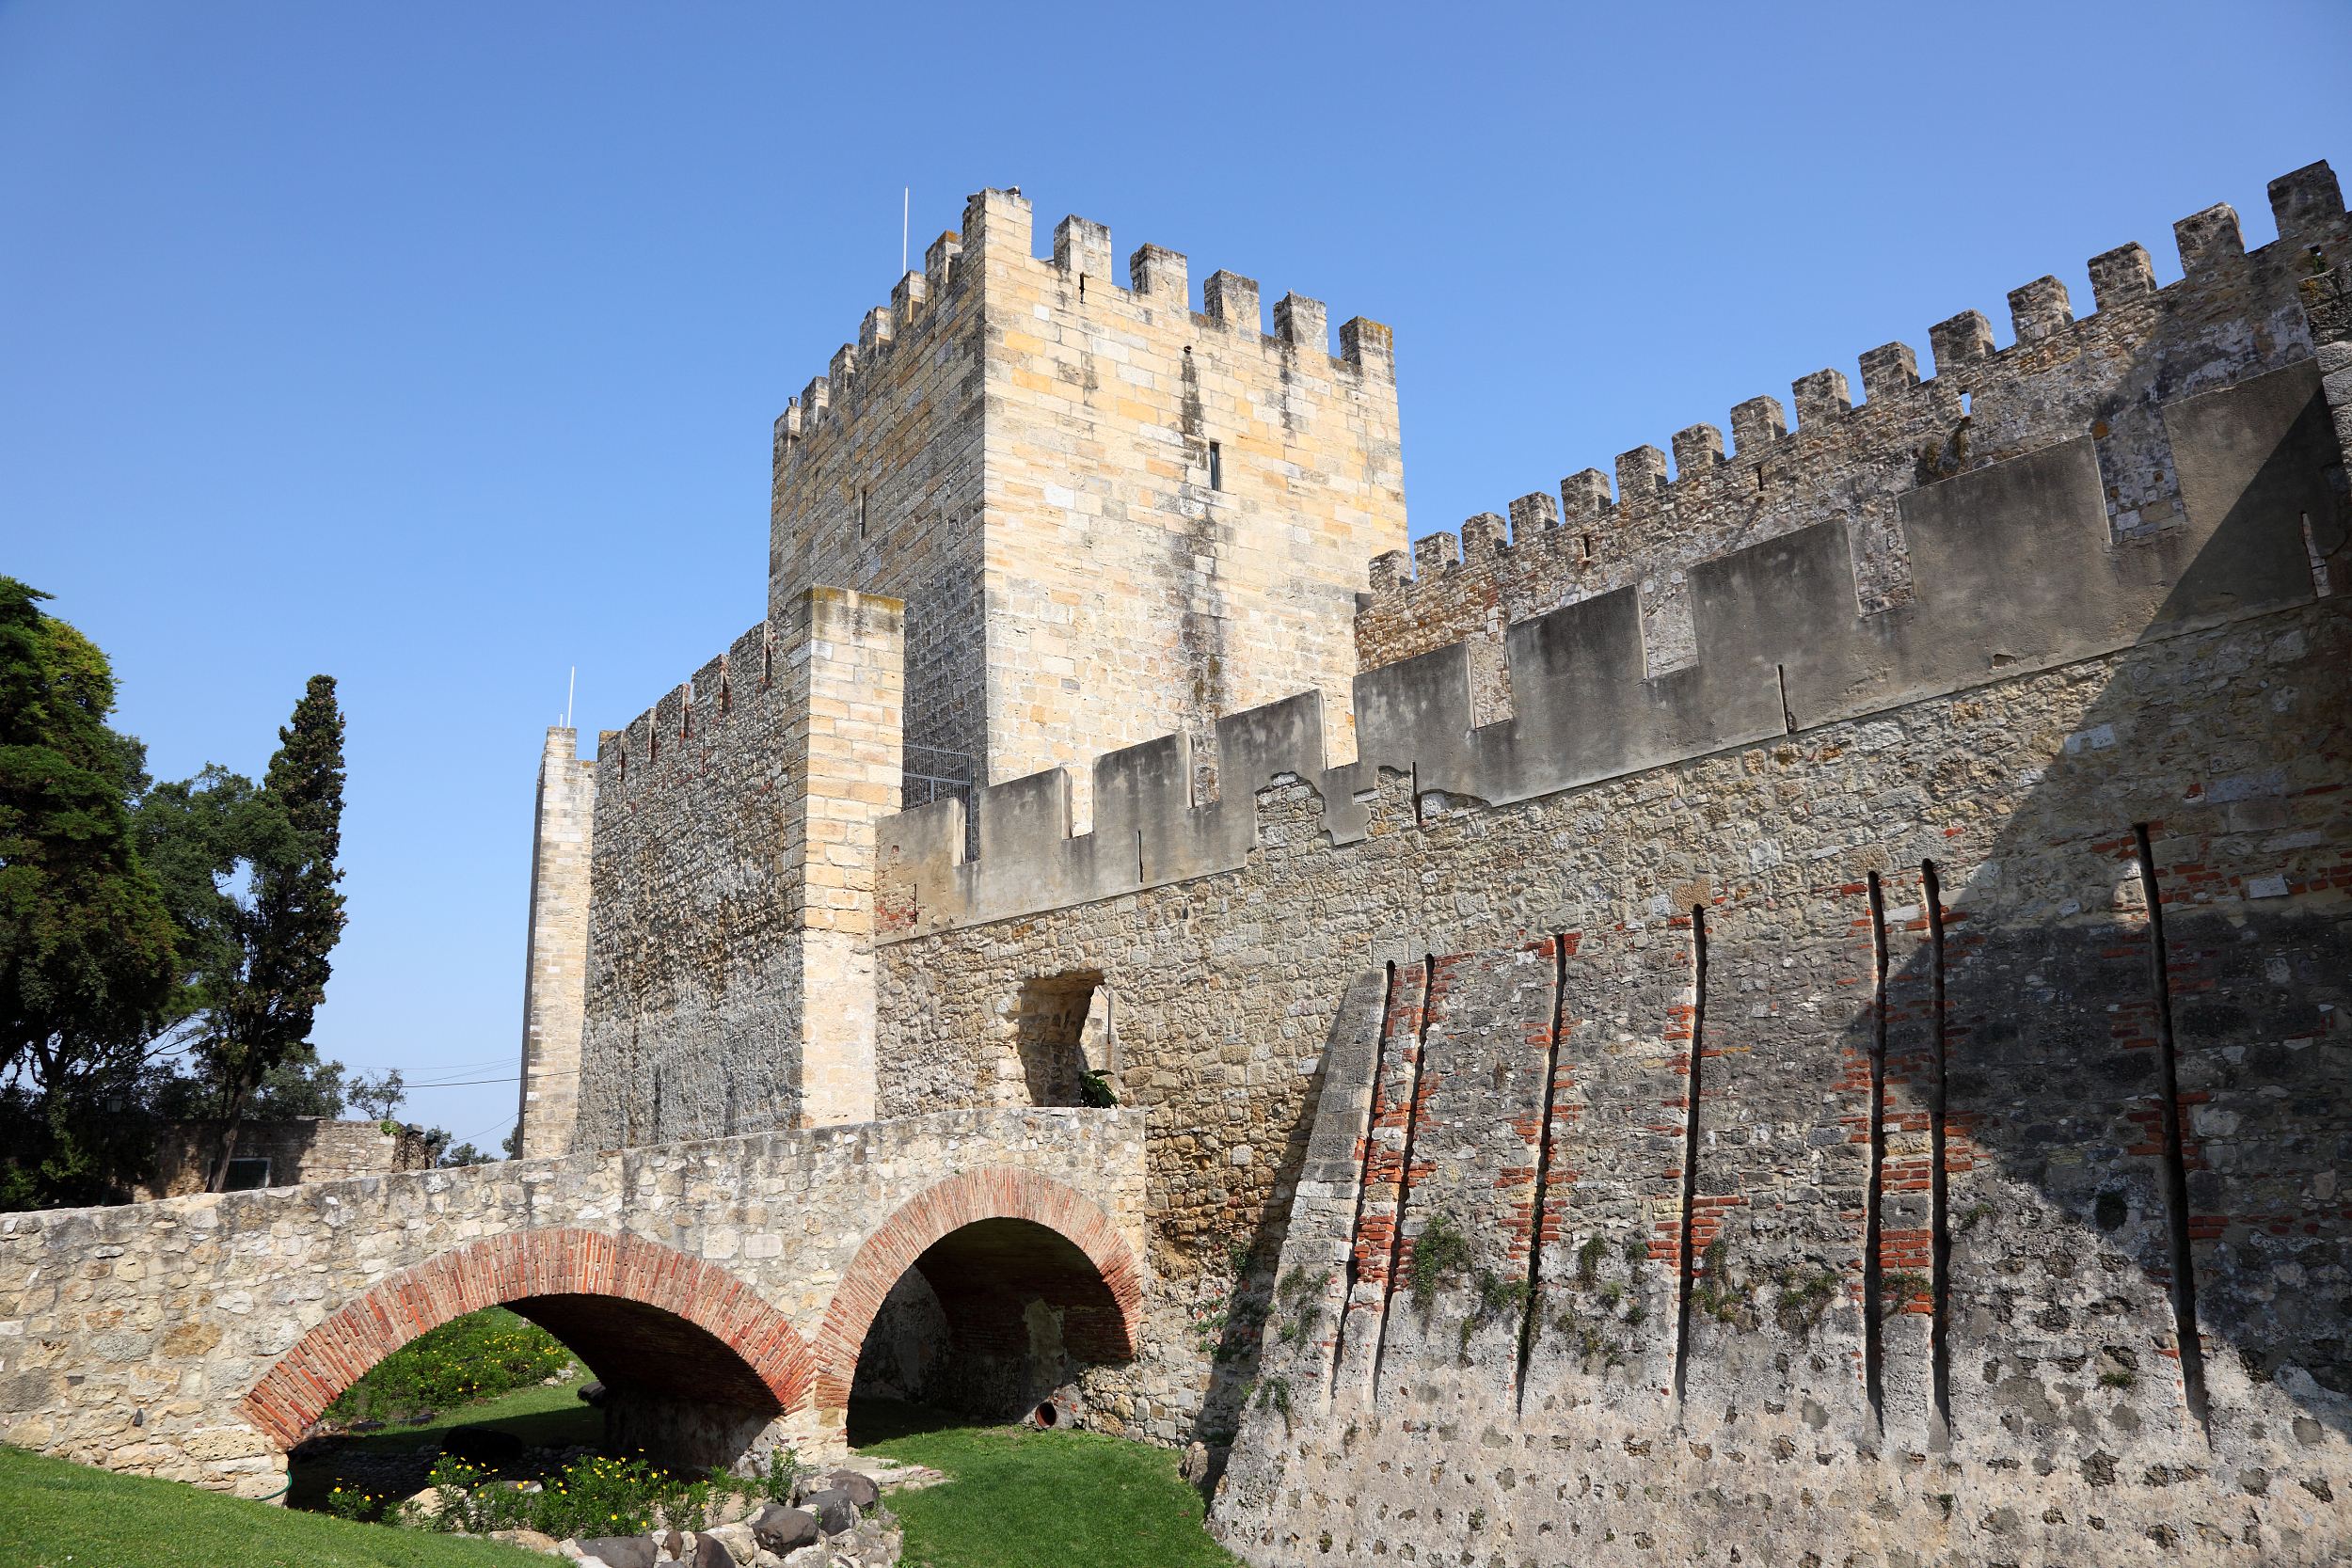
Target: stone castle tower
<point x="1062" y="514"/>
<point x="1110" y="516"/>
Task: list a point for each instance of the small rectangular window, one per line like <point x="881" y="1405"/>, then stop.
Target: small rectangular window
<point x="861" y="514"/>
<point x="247" y="1174"/>
<point x="1216" y="467"/>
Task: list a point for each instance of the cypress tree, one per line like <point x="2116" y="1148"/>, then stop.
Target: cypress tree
<point x="290" y="926"/>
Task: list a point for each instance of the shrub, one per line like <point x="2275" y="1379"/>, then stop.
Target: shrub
<point x="591" y="1496"/>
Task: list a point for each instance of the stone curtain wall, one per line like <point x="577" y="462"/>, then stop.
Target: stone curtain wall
<point x="1021" y="449"/>
<point x="130" y="1337"/>
<point x="2060" y="1348"/>
<point x="730" y="966"/>
<point x="555" y="975"/>
<point x="2106" y="376"/>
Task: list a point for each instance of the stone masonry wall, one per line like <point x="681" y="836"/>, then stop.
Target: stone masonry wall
<point x="2062" y="1368"/>
<point x="132" y="1336"/>
<point x="2106" y="375"/>
<point x="555" y="975"/>
<point x="1902" y="1049"/>
<point x="730" y="966"/>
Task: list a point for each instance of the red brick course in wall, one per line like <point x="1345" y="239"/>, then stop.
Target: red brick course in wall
<point x="513" y="1268"/>
<point x="990" y="1193"/>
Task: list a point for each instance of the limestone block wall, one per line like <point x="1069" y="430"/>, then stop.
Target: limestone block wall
<point x="1110" y="516"/>
<point x="2045" y="1278"/>
<point x="555" y="965"/>
<point x="2108" y="378"/>
<point x="153" y="1339"/>
<point x="730" y="968"/>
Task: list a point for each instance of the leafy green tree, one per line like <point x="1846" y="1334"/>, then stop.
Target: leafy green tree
<point x="293" y="1089"/>
<point x="89" y="966"/>
<point x="288" y="921"/>
<point x="379" y="1096"/>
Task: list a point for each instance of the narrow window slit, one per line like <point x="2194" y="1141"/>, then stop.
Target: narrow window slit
<point x="1363" y="1172"/>
<point x="1939" y="1194"/>
<point x="1690" y="1150"/>
<point x="1531" y="1309"/>
<point x="1787" y="715"/>
<point x="1217" y="465"/>
<point x="1404" y="1165"/>
<point x="2184" y="1291"/>
<point x="1873" y="1278"/>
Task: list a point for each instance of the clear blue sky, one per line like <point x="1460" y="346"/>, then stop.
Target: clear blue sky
<point x="436" y="346"/>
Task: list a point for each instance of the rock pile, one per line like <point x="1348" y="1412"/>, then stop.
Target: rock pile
<point x="836" y="1520"/>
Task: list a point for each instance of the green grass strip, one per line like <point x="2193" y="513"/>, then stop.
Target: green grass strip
<point x="54" y="1514"/>
<point x="1020" y="1498"/>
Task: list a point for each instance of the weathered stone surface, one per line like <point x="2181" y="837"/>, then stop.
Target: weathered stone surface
<point x="834" y="1510"/>
<point x="620" y="1551"/>
<point x="780" y="1528"/>
<point x="860" y="1489"/>
<point x="736" y="1541"/>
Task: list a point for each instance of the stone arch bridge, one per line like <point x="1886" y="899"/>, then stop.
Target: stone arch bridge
<point x="722" y="1289"/>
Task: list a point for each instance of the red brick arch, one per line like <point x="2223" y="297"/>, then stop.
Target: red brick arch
<point x="995" y="1193"/>
<point x="561" y="1276"/>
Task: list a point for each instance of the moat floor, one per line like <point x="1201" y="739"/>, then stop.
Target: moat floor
<point x="395" y="1461"/>
<point x="1017" y="1497"/>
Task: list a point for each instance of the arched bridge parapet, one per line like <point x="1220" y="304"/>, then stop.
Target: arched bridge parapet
<point x="967" y="1200"/>
<point x="193" y="1337"/>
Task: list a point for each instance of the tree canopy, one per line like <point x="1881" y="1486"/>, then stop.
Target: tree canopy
<point x="89" y="949"/>
<point x="164" y="947"/>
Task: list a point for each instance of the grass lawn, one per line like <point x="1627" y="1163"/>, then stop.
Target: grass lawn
<point x="54" y="1514"/>
<point x="1020" y="1498"/>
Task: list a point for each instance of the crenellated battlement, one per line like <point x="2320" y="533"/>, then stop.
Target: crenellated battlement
<point x="664" y="738"/>
<point x="1054" y="426"/>
<point x="2231" y="315"/>
<point x="997" y="228"/>
<point x="2013" y="563"/>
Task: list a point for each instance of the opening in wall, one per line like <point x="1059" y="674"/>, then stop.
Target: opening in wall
<point x="1063" y="1041"/>
<point x="1216" y="467"/>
